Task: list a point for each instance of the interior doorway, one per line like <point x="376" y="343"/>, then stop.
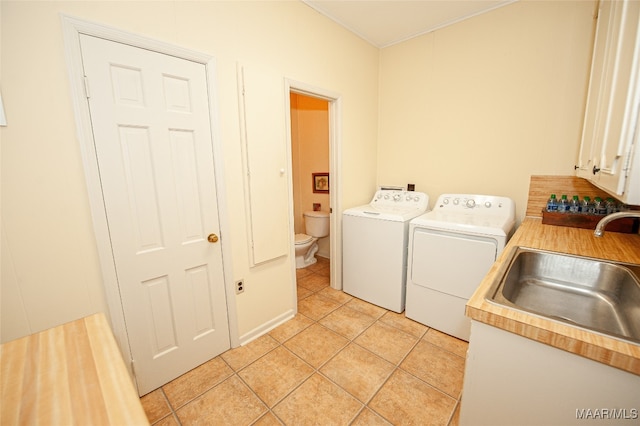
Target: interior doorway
<point x="314" y="129"/>
<point x="310" y="164"/>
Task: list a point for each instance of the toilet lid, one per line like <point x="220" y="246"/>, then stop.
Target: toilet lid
<point x="303" y="238"/>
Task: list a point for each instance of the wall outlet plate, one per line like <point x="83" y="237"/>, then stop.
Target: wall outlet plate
<point x="239" y="286"/>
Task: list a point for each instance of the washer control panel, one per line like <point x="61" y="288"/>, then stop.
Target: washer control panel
<point x="398" y="198"/>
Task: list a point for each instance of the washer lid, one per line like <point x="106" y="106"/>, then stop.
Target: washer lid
<point x="396" y="206"/>
<point x="303" y="238"/>
<point x="396" y="214"/>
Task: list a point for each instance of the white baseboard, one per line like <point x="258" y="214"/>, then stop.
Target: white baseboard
<point x="266" y="327"/>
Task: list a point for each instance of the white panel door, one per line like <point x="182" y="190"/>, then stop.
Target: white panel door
<point x="150" y="117"/>
<point x="266" y="162"/>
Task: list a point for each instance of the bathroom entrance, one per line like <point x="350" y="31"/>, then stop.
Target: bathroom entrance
<point x="315" y="129"/>
<point x="310" y="160"/>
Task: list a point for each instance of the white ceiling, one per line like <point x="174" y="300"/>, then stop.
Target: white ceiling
<point x="386" y="22"/>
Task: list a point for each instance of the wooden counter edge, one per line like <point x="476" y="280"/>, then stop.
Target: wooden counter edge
<point x="117" y="385"/>
<point x="70" y="374"/>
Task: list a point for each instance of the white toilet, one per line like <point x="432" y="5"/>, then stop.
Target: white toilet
<point x="316" y="225"/>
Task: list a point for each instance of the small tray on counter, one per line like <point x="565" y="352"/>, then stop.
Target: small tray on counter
<point x="625" y="225"/>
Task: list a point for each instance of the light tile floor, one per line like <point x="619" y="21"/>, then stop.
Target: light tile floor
<point x="340" y="361"/>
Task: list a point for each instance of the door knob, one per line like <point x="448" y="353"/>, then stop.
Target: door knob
<point x="213" y="238"/>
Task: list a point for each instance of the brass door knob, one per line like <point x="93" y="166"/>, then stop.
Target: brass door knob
<point x="213" y="238"/>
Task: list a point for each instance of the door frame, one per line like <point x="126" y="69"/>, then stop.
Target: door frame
<point x="72" y="28"/>
<point x="335" y="182"/>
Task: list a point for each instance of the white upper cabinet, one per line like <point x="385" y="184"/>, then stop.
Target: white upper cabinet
<point x="609" y="136"/>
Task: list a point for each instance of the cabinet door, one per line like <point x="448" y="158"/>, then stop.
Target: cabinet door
<point x="612" y="107"/>
<point x="597" y="92"/>
<point x="621" y="121"/>
<point x="264" y="144"/>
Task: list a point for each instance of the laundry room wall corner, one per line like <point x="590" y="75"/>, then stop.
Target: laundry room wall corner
<point x="43" y="179"/>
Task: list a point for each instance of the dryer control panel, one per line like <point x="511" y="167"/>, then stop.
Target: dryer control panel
<point x="401" y="199"/>
<point x="478" y="204"/>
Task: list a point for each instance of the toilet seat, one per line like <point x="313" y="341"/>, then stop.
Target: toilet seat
<point x="303" y="238"/>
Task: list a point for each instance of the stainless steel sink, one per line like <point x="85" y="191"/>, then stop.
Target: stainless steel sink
<point x="590" y="293"/>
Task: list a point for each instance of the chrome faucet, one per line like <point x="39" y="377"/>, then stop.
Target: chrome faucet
<point x="599" y="232"/>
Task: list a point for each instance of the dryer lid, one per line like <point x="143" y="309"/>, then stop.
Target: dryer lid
<point x="470" y="214"/>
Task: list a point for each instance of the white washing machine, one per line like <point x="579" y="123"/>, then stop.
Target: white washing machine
<point x="374" y="246"/>
<point x="451" y="249"/>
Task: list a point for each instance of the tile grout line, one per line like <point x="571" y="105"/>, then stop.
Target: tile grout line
<point x="453" y="413"/>
<point x="316" y="370"/>
<point x="396" y="366"/>
<point x="172" y="413"/>
<point x="365" y="404"/>
<point x="234" y="372"/>
<point x="281" y="344"/>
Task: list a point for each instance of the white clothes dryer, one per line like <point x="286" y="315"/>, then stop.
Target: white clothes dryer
<point x="374" y="246"/>
<point x="451" y="249"/>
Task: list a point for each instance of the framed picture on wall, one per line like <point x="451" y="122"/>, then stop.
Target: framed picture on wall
<point x="320" y="183"/>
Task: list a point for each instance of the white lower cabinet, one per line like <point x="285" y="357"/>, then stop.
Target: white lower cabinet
<point x="511" y="380"/>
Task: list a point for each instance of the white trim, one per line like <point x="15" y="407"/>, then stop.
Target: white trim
<point x="335" y="167"/>
<point x="223" y="211"/>
<point x="267" y="327"/>
<point x="244" y="149"/>
<point x="3" y="117"/>
<point x="72" y="28"/>
<point x="292" y="232"/>
<point x="397" y="39"/>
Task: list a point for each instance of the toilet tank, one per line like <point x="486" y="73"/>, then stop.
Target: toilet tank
<point x="316" y="223"/>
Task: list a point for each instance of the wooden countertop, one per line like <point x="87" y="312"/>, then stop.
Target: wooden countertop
<point x="69" y="375"/>
<point x="533" y="234"/>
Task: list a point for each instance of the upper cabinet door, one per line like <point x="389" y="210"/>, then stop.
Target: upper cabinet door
<point x="597" y="88"/>
<point x="611" y="116"/>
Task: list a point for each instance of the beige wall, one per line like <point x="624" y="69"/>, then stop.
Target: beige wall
<point x="310" y="154"/>
<point x="480" y="106"/>
<point x="475" y="107"/>
<point x="50" y="267"/>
